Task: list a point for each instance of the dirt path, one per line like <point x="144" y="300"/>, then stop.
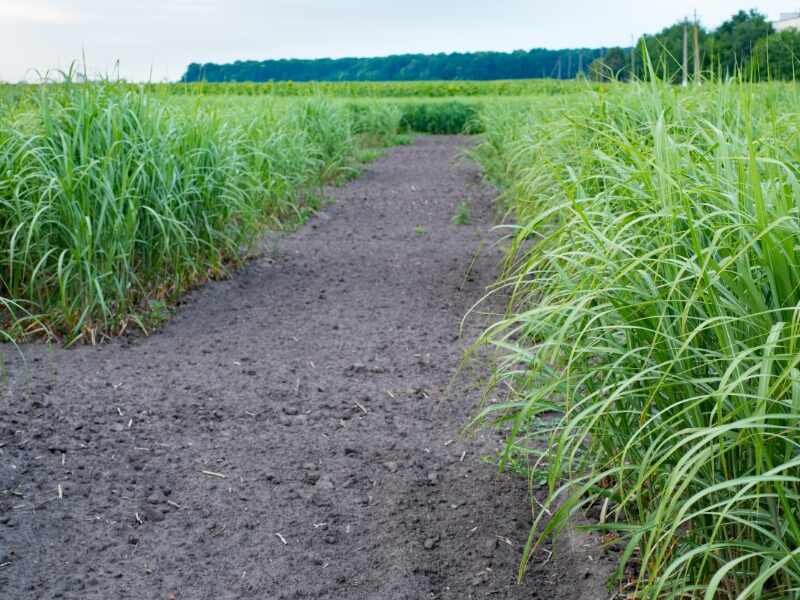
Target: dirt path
<point x="311" y="384"/>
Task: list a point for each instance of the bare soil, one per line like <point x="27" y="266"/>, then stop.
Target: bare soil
<point x="288" y="433"/>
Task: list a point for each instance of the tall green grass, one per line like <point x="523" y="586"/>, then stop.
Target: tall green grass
<point x="379" y="122"/>
<point x="112" y="200"/>
<point x="444" y="117"/>
<point x="650" y="358"/>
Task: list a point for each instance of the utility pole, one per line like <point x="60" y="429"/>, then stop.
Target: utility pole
<point x="697" y="67"/>
<point x="685" y="52"/>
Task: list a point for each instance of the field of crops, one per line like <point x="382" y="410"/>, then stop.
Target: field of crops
<point x="403" y="89"/>
<point x="654" y="269"/>
<point x="115" y="200"/>
<point x="345" y="89"/>
<point x="652" y="265"/>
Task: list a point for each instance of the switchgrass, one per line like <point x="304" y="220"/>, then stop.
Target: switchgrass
<point x="462" y="214"/>
<point x="115" y="199"/>
<point x="112" y="200"/>
<point x="442" y="117"/>
<point x="379" y="123"/>
<point x="654" y="274"/>
<point x="386" y="117"/>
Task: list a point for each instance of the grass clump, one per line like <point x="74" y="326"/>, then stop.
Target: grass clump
<point x="378" y="123"/>
<point x="655" y="309"/>
<point x="462" y="214"/>
<point x="440" y="117"/>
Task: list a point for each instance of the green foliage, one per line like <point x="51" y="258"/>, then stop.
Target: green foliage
<point x="115" y="199"/>
<point x="462" y="214"/>
<point x="733" y="42"/>
<point x="536" y="63"/>
<point x="777" y="56"/>
<point x="725" y="52"/>
<point x="378" y="122"/>
<point x="411" y="89"/>
<point x="329" y="131"/>
<point x="653" y="274"/>
<point x="613" y="66"/>
<point x="359" y="92"/>
<point x="664" y="53"/>
<point x="113" y="202"/>
<point x="440" y="117"/>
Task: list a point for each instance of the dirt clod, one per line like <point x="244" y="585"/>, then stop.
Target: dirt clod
<point x="431" y="543"/>
<point x="325" y="482"/>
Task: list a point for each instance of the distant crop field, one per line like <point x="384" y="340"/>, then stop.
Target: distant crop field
<point x="418" y="89"/>
<point x="405" y="89"/>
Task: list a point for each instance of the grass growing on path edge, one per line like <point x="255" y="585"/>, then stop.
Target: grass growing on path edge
<point x="654" y="271"/>
<point x="114" y="202"/>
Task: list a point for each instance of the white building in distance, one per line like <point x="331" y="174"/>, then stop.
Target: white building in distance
<point x="790" y="20"/>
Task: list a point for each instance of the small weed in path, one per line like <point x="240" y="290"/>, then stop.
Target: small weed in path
<point x="462" y="214"/>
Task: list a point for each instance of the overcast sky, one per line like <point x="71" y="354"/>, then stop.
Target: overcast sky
<point x="156" y="39"/>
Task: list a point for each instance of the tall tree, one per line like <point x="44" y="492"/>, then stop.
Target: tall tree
<point x="733" y="42"/>
<point x="778" y="56"/>
<point x="614" y="65"/>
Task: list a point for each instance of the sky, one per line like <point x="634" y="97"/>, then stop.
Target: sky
<point x="154" y="40"/>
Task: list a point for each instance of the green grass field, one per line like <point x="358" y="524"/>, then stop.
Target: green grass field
<point x="401" y="89"/>
<point x="653" y="267"/>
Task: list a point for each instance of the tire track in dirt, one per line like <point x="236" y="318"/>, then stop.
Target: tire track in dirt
<point x="286" y="435"/>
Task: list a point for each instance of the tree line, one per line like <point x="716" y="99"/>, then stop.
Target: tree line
<point x="478" y="66"/>
<point x="746" y="45"/>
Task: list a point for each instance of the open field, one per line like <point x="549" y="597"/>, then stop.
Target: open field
<point x="346" y="89"/>
<point x="639" y="355"/>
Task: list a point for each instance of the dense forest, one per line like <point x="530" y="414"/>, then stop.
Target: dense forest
<point x="746" y="44"/>
<point x="478" y="66"/>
